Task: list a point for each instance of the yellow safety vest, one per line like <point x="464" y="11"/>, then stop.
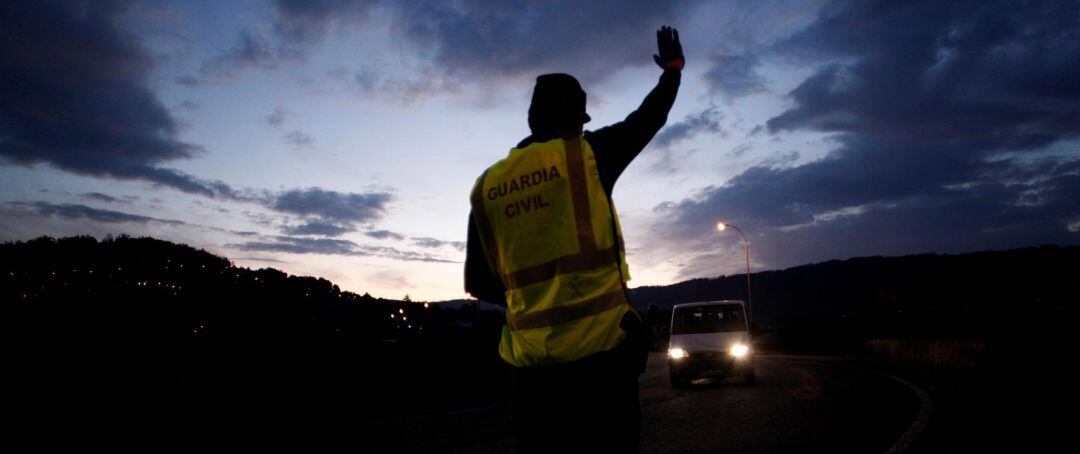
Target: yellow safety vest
<point x="546" y="228"/>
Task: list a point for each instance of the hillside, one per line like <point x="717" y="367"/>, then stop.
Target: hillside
<point x="928" y="295"/>
<point x="175" y="343"/>
<point x="182" y="343"/>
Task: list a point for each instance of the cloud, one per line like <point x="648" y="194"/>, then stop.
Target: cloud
<point x="329" y="246"/>
<point x="259" y="259"/>
<point x="189" y="105"/>
<point x="187" y="80"/>
<point x="432" y="243"/>
<point x="298" y="28"/>
<point x="404" y="87"/>
<point x="976" y="72"/>
<point x="298" y="245"/>
<point x="478" y="38"/>
<point x="103" y="198"/>
<point x="241" y="233"/>
<point x="955" y="129"/>
<point x="74" y="93"/>
<point x="251" y="51"/>
<point x="734" y="76"/>
<point x="83" y="212"/>
<point x="299" y="139"/>
<point x="384" y="234"/>
<point x="277" y="117"/>
<point x="332" y="205"/>
<point x="302" y="24"/>
<point x="706" y="121"/>
<point x="329" y="213"/>
<point x="468" y="42"/>
<point x="743" y="36"/>
<point x="319" y="228"/>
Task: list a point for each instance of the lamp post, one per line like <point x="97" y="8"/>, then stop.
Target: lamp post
<point x="746" y="247"/>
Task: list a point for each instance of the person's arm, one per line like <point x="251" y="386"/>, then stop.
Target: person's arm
<point x="617" y="145"/>
<point x="480" y="281"/>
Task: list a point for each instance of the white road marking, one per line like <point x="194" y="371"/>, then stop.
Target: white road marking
<point x="922" y="419"/>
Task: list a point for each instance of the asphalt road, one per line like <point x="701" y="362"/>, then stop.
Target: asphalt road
<point x="798" y="404"/>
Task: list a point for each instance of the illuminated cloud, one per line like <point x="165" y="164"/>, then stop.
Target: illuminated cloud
<point x="330" y="246"/>
<point x="384" y="234"/>
<point x="433" y="243"/>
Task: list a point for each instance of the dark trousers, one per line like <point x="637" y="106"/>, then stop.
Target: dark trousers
<point x="589" y="405"/>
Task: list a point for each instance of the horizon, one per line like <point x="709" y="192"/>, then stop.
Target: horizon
<point x="340" y="140"/>
<point x="737" y="275"/>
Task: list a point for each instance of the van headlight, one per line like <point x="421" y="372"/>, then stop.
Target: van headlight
<point x="676" y="353"/>
<point x="739" y="350"/>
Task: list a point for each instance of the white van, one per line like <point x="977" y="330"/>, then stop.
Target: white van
<point x="709" y="338"/>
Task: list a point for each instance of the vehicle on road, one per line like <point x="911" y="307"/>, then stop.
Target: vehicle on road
<point x="709" y="338"/>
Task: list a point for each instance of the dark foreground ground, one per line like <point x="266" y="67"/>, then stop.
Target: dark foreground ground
<point x="1012" y="402"/>
<point x="799" y="404"/>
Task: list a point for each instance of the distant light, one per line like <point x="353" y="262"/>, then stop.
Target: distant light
<point x="426" y="305"/>
<point x="721" y="226"/>
<point x="404" y="318"/>
<point x="401" y="311"/>
<point x="739" y="350"/>
<point x="391" y="315"/>
<point x="677" y="353"/>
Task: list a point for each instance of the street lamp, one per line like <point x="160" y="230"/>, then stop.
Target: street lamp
<point x="746" y="247"/>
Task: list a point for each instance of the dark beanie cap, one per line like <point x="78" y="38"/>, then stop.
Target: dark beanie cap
<point x="557" y="101"/>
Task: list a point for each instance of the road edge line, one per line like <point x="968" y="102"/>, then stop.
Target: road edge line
<point x="922" y="419"/>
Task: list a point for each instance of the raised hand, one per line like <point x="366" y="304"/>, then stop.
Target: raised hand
<point x="667" y="42"/>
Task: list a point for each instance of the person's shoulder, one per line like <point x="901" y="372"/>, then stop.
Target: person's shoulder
<point x="499" y="162"/>
<point x="525" y="142"/>
<point x="598" y="140"/>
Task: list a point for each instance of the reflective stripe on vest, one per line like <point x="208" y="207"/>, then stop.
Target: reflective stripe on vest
<point x="546" y="228"/>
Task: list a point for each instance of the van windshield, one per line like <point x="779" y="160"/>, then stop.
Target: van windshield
<point x="708" y="319"/>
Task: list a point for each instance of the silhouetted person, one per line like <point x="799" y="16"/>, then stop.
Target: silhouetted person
<point x="544" y="241"/>
<point x="652" y="327"/>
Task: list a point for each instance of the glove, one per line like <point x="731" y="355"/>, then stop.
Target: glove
<point x="671" y="56"/>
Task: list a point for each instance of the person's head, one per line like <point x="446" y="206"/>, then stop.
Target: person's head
<point x="558" y="105"/>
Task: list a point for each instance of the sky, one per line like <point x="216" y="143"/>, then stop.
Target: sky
<point x="340" y="139"/>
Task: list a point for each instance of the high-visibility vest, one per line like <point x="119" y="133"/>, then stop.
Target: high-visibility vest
<point x="552" y="236"/>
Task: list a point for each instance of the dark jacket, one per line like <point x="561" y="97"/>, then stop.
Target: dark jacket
<point x="615" y="147"/>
